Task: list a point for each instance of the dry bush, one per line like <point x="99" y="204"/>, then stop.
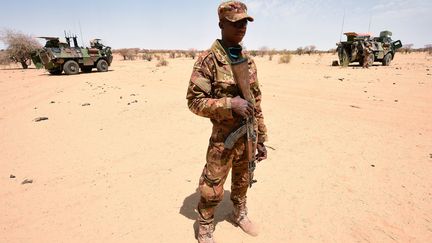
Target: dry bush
<point x="19" y="46"/>
<point x="147" y="56"/>
<point x="191" y="53"/>
<point x="162" y="62"/>
<point x="172" y="55"/>
<point x="428" y="48"/>
<point x="299" y="51"/>
<point x="286" y="58"/>
<point x="310" y="49"/>
<point x="263" y="51"/>
<point x="128" y="53"/>
<point x="406" y="48"/>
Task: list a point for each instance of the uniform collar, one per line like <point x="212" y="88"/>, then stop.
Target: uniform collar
<point x="220" y="52"/>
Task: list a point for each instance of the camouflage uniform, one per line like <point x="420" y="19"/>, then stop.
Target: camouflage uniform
<point x="209" y="94"/>
<point x="367" y="50"/>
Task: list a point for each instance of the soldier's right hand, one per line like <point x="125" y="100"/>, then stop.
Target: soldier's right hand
<point x="241" y="107"/>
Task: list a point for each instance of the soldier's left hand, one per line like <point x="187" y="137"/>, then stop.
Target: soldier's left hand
<point x="262" y="152"/>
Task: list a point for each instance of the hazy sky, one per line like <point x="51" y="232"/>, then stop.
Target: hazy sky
<point x="177" y="24"/>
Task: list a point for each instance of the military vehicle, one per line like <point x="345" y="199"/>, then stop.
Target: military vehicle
<point x="383" y="49"/>
<point x="57" y="56"/>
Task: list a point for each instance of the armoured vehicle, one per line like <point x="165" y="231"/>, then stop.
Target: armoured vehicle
<point x="383" y="48"/>
<point x="57" y="56"/>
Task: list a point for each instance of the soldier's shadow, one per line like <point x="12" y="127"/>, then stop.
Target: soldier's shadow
<point x="222" y="212"/>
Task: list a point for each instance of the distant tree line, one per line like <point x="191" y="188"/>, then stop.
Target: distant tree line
<point x="146" y="54"/>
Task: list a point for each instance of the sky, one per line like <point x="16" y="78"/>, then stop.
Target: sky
<point x="186" y="24"/>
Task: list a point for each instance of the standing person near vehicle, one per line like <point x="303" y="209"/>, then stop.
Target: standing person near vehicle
<point x="214" y="93"/>
<point x="367" y="50"/>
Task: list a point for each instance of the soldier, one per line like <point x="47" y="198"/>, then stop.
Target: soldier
<point x="367" y="50"/>
<point x="213" y="93"/>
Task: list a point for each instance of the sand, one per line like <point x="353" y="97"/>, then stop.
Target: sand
<point x="119" y="156"/>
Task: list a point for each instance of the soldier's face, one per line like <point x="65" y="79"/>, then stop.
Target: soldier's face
<point x="234" y="31"/>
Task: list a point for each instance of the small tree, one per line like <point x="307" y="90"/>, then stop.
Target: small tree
<point x="299" y="51"/>
<point x="19" y="47"/>
<point x="263" y="51"/>
<point x="192" y="53"/>
<point x="310" y="49"/>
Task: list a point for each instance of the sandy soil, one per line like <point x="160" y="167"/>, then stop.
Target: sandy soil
<point x="119" y="157"/>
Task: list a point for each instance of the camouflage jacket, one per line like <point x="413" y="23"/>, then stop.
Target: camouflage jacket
<point x="211" y="88"/>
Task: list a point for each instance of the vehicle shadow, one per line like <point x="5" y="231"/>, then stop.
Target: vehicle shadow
<point x="16" y="68"/>
<point x="188" y="209"/>
<point x="80" y="73"/>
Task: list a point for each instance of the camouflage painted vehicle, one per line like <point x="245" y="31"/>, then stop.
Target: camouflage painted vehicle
<point x="57" y="56"/>
<point x="383" y="49"/>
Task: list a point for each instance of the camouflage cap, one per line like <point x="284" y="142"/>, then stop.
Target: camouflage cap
<point x="233" y="11"/>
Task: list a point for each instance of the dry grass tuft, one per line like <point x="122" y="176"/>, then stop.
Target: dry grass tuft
<point x="162" y="62"/>
<point x="286" y="58"/>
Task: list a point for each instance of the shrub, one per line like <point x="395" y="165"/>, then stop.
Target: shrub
<point x="285" y="58"/>
<point x="162" y="62"/>
<point x="192" y="53"/>
<point x="147" y="56"/>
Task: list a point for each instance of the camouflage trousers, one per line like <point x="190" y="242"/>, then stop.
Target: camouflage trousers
<point x="215" y="172"/>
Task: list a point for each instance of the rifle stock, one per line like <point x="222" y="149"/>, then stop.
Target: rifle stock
<point x="241" y="76"/>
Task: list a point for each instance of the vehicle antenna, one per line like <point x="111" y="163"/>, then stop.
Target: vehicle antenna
<point x="343" y="22"/>
<point x="82" y="41"/>
<point x="370" y="21"/>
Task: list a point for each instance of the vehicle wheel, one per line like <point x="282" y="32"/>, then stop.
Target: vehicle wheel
<point x="56" y="71"/>
<point x="86" y="69"/>
<point x="102" y="65"/>
<point x="343" y="57"/>
<point x="71" y="67"/>
<point x="387" y="59"/>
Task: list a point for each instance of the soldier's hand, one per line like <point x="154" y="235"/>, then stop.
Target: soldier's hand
<point x="262" y="152"/>
<point x="241" y="107"/>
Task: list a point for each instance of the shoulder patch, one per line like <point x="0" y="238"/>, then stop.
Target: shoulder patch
<point x="203" y="84"/>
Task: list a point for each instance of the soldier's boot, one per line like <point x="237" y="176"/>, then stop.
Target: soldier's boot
<point x="205" y="233"/>
<point x="241" y="219"/>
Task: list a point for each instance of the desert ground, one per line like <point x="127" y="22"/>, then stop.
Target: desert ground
<point x="119" y="157"/>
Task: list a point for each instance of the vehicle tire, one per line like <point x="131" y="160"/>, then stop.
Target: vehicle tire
<point x="86" y="69"/>
<point x="387" y="59"/>
<point x="343" y="57"/>
<point x="71" y="67"/>
<point x="56" y="71"/>
<point x="102" y="65"/>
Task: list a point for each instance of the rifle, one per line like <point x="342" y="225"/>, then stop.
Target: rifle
<point x="241" y="76"/>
